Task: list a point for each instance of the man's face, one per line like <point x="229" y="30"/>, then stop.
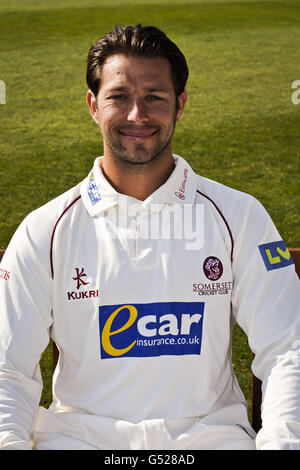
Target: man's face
<point x="136" y="108"/>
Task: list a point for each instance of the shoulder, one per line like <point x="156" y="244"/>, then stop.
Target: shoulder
<point x="45" y="217"/>
<point x="221" y="194"/>
<point x="32" y="239"/>
<point x="233" y="203"/>
<point x="241" y="213"/>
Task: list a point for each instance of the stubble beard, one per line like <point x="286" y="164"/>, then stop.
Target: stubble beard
<point x="140" y="154"/>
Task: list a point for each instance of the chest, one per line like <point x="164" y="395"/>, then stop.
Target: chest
<point x="139" y="289"/>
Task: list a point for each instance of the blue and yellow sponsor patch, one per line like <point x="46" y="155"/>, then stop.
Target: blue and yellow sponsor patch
<point x="275" y="255"/>
<point x="92" y="189"/>
<point x="147" y="330"/>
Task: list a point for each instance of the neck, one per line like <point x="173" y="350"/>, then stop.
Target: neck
<point x="138" y="180"/>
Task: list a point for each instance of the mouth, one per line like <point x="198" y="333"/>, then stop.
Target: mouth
<point x="138" y="136"/>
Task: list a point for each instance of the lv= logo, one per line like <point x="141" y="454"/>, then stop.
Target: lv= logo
<point x="275" y="255"/>
<point x="276" y="259"/>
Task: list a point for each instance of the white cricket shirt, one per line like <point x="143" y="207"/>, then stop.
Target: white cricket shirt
<point x="140" y="298"/>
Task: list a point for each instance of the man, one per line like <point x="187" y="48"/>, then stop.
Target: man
<point x="139" y="273"/>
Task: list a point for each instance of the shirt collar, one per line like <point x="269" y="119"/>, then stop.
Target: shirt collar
<point x="99" y="195"/>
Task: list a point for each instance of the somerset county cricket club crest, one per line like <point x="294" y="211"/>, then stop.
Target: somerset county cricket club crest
<point x="213" y="268"/>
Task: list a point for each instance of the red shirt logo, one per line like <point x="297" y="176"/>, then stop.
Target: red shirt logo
<point x="79" y="277"/>
<point x="213" y="268"/>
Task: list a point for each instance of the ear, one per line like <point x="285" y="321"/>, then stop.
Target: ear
<point x="91" y="100"/>
<point x="181" y="103"/>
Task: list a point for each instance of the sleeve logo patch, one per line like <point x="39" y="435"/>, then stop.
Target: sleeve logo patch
<point x="275" y="255"/>
<point x="4" y="274"/>
<point x="147" y="330"/>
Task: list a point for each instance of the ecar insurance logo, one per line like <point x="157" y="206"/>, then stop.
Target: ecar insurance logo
<point x="147" y="330"/>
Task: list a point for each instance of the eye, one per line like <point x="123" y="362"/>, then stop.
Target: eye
<point x="118" y="97"/>
<point x="153" y="98"/>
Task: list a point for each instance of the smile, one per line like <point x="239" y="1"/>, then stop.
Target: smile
<point x="138" y="136"/>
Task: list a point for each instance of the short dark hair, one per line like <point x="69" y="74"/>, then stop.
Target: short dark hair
<point x="136" y="41"/>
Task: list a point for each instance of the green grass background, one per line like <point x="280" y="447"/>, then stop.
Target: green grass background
<point x="239" y="127"/>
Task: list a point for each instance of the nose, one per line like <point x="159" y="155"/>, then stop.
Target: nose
<point x="137" y="112"/>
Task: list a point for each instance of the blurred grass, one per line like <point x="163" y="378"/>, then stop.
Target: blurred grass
<point x="239" y="127"/>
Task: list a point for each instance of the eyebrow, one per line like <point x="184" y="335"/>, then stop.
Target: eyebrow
<point x="154" y="89"/>
<point x="158" y="88"/>
<point x="119" y="88"/>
